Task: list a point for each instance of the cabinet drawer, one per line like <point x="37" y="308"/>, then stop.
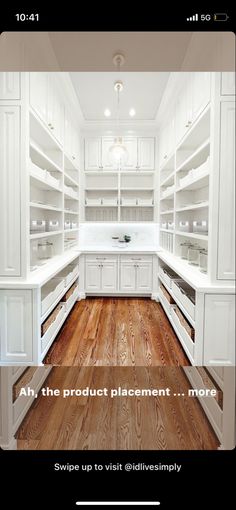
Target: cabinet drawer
<point x="22" y="403"/>
<point x="69" y="273"/>
<point x="48" y="336"/>
<point x="72" y="298"/>
<point x="50" y="293"/>
<point x="185" y="339"/>
<point x="101" y="258"/>
<point x="209" y="404"/>
<point x="182" y="292"/>
<point x="168" y="276"/>
<point x="167" y="304"/>
<point x="136" y="258"/>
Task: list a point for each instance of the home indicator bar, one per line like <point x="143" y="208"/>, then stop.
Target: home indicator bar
<point x="118" y="503"/>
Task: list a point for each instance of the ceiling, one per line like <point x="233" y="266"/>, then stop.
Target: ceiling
<point x="142" y="91"/>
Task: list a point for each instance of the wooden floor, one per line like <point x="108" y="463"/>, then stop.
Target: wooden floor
<point x="117" y="332"/>
<point x="122" y="423"/>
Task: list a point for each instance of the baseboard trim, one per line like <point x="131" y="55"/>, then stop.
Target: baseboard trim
<point x="10" y="446"/>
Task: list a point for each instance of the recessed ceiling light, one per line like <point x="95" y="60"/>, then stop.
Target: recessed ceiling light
<point x="107" y="112"/>
<point x="132" y="112"/>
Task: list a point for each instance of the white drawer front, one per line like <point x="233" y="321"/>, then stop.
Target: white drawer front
<point x="185" y="339"/>
<point x="72" y="298"/>
<point x="101" y="258"/>
<point x="56" y="286"/>
<point x="47" y="337"/>
<point x="136" y="258"/>
<point x="184" y="300"/>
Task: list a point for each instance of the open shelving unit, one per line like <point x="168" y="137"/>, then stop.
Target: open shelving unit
<point x="119" y="196"/>
<point x="54" y="196"/>
<point x="184" y="189"/>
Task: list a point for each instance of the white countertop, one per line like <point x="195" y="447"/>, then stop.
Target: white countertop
<point x="199" y="281"/>
<point x="144" y="249"/>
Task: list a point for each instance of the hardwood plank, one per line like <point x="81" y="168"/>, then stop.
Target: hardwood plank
<point x="121" y="423"/>
<point x="117" y="332"/>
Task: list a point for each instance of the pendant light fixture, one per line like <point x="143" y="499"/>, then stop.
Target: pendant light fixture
<point x="118" y="153"/>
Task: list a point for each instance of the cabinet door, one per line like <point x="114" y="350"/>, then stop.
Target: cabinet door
<point x="9" y="86"/>
<point x="219" y="329"/>
<point x="68" y="134"/>
<point x="144" y="277"/>
<point x="131" y="144"/>
<point x="75" y="145"/>
<point x="146" y="153"/>
<point x="93" y="153"/>
<point x="107" y="141"/>
<point x="128" y="277"/>
<point x="10" y="191"/>
<point x="201" y="83"/>
<point x="16" y="325"/>
<point x="226" y="227"/>
<point x="39" y="94"/>
<point x="55" y="108"/>
<point x="180" y="117"/>
<point x="109" y="276"/>
<point x="227" y="84"/>
<point x="93" y="277"/>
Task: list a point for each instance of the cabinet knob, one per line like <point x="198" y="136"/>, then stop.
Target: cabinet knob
<point x="101" y="167"/>
<point x="165" y="157"/>
<point x="73" y="157"/>
<point x="52" y="127"/>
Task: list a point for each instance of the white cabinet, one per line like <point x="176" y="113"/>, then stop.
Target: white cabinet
<point x="201" y="88"/>
<point x="46" y="100"/>
<point x="167" y="140"/>
<point x="146" y="153"/>
<point x="71" y="139"/>
<point x="219" y="329"/>
<point x="38" y="94"/>
<point x="128" y="277"/>
<point x="136" y="274"/>
<point x="9" y="86"/>
<point x="227" y="84"/>
<point x="55" y="108"/>
<point x="193" y="98"/>
<point x="144" y="277"/>
<point x="226" y="227"/>
<point x="93" y="153"/>
<point x="16" y="326"/>
<point x="101" y="274"/>
<point x="141" y="153"/>
<point x="10" y="191"/>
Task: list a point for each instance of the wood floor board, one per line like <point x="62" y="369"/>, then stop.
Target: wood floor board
<point x="121" y="423"/>
<point x="117" y="332"/>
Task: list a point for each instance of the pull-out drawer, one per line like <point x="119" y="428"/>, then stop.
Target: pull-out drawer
<point x="182" y="334"/>
<point x="164" y="298"/>
<point x="209" y="403"/>
<point x="51" y="332"/>
<point x="32" y="378"/>
<point x="71" y="298"/>
<point x="101" y="258"/>
<point x="186" y="295"/>
<point x="136" y="258"/>
<point x="69" y="273"/>
<point x="50" y="292"/>
<point x="168" y="275"/>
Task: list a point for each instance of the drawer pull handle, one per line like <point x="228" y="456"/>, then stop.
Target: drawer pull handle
<point x="136" y="259"/>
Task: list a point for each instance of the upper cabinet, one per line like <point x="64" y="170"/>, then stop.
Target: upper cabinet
<point x="193" y="98"/>
<point x="141" y="153"/>
<point x="46" y="100"/>
<point x="9" y="86"/>
<point x="10" y="191"/>
<point x="166" y="140"/>
<point x="226" y="227"/>
<point x="71" y="139"/>
<point x="228" y="84"/>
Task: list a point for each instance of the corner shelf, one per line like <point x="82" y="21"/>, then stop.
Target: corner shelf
<point x="192" y="235"/>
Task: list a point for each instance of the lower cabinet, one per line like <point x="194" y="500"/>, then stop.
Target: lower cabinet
<point x="219" y="345"/>
<point x="101" y="274"/>
<point x="16" y="325"/>
<point x="134" y="275"/>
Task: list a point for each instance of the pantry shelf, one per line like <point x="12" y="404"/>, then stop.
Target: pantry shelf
<point x="197" y="183"/>
<point x="45" y="207"/>
<point x="42" y="159"/>
<point x="170" y="211"/>
<point x="43" y="184"/>
<point x="169" y="179"/>
<point x="196" y="158"/>
<point x="45" y="234"/>
<point x="192" y="235"/>
<point x="69" y="180"/>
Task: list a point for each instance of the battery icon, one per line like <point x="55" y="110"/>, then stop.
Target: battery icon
<point x="221" y="16"/>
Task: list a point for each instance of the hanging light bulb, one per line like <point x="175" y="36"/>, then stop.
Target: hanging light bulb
<point x="118" y="153"/>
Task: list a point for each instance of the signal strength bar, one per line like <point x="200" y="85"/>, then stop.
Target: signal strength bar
<point x="193" y="18"/>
